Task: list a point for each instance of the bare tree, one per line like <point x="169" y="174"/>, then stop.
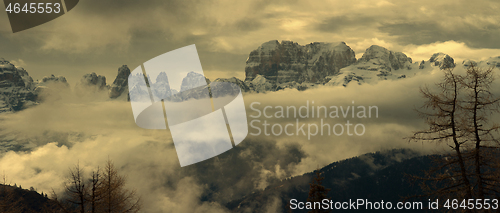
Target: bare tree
<point x="103" y="192"/>
<point x="442" y="112"/>
<point x="457" y="115"/>
<point x="76" y="190"/>
<point x="95" y="196"/>
<point x="115" y="197"/>
<point x="479" y="104"/>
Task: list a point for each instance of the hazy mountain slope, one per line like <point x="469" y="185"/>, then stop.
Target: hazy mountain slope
<point x="374" y="176"/>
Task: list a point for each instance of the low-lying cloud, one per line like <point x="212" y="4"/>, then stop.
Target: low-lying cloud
<point x="68" y="130"/>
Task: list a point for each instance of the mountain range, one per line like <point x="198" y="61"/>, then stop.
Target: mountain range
<point x="272" y="66"/>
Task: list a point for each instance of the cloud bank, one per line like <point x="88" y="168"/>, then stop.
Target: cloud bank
<point x="68" y="130"/>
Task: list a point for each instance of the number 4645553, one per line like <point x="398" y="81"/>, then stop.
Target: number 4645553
<point x="34" y="8"/>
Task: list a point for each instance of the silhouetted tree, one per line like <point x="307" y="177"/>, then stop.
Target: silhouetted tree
<point x="8" y="200"/>
<point x="95" y="196"/>
<point x="103" y="192"/>
<point x="457" y="115"/>
<point x="317" y="192"/>
<point x="76" y="190"/>
<point x="115" y="197"/>
<point x="479" y="104"/>
<point x="444" y="127"/>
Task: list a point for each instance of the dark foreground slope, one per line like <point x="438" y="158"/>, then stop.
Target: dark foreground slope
<point x="18" y="200"/>
<point x="374" y="176"/>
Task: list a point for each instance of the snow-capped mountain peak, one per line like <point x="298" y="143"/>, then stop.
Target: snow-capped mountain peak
<point x="16" y="88"/>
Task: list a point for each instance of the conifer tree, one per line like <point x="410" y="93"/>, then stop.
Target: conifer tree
<point x="8" y="200"/>
<point x="317" y="192"/>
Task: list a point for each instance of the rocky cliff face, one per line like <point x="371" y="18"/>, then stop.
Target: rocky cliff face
<point x="377" y="63"/>
<point x="161" y="88"/>
<point x="244" y="87"/>
<point x="442" y="60"/>
<point x="16" y="88"/>
<point x="288" y="61"/>
<point x="276" y="66"/>
<point x="488" y="63"/>
<point x="50" y="87"/>
<point x="377" y="57"/>
<point x="493" y="62"/>
<point x="193" y="80"/>
<point x="91" y="86"/>
<point x="53" y="79"/>
<point x="137" y="89"/>
<point x="220" y="87"/>
<point x="93" y="81"/>
<point x="121" y="82"/>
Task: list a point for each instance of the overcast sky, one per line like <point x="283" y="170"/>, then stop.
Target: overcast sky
<point x="100" y="36"/>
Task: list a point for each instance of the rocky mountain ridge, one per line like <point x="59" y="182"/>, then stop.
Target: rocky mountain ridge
<point x="276" y="66"/>
<point x="16" y="88"/>
<point x="377" y="63"/>
<point x="271" y="67"/>
<point x="288" y="61"/>
<point x="120" y="83"/>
